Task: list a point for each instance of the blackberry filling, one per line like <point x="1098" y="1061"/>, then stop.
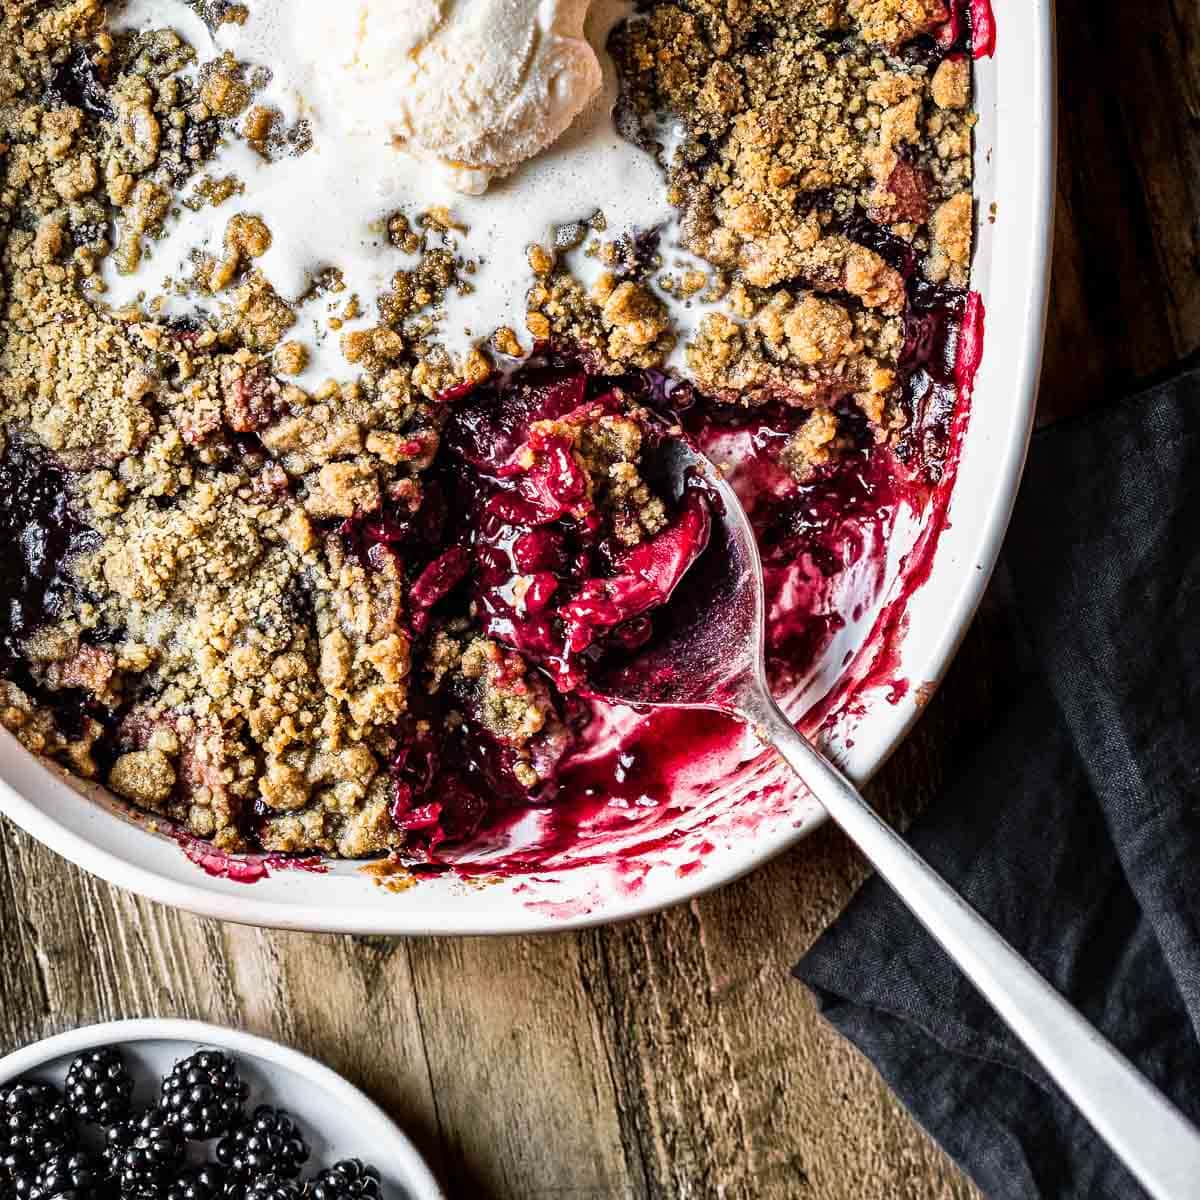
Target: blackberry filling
<point x="39" y="536"/>
<point x="509" y="542"/>
<point x="549" y="577"/>
<point x="518" y="539"/>
<point x="513" y="541"/>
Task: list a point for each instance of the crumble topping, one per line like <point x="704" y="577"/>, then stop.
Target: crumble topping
<point x="266" y="627"/>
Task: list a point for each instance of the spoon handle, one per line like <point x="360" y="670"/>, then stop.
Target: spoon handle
<point x="1159" y="1146"/>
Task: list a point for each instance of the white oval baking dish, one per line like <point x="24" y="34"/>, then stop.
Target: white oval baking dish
<point x="744" y="822"/>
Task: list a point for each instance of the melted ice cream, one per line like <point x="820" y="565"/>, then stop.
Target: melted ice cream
<point x="328" y="206"/>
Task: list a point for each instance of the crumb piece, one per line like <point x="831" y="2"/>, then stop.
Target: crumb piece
<point x="341" y="489"/>
<point x="890" y="22"/>
<point x="819" y="331"/>
<point x="952" y="226"/>
<point x="147" y="777"/>
<point x="810" y="445"/>
<point x="291" y="358"/>
<point x="259" y="123"/>
<point x="507" y="343"/>
<point x="951" y="86"/>
<point x="538" y="325"/>
<point x="223" y="90"/>
<point x="541" y="261"/>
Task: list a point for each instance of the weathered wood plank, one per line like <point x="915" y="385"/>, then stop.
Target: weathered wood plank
<point x="523" y="1086"/>
<point x="1126" y="292"/>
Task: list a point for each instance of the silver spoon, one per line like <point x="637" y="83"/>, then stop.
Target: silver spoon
<point x="713" y="658"/>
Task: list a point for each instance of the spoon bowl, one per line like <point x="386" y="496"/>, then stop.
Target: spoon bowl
<point x="714" y="638"/>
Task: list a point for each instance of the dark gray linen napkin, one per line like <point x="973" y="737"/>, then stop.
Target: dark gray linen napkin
<point x="1072" y="822"/>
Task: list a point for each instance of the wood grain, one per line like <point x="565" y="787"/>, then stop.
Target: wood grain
<point x="670" y="1057"/>
<point x="1125" y="298"/>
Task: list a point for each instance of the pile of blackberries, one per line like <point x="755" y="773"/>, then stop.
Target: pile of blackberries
<point x="47" y="1151"/>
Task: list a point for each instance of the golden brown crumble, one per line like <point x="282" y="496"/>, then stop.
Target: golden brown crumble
<point x="791" y="132"/>
<point x="951" y="228"/>
<point x="951" y="85"/>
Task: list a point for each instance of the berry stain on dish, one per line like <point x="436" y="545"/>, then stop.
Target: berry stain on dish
<point x="314" y="551"/>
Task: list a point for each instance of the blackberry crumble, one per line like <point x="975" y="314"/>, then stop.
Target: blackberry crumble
<point x="352" y="615"/>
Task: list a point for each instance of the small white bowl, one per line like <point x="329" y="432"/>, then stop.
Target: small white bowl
<point x="337" y="1120"/>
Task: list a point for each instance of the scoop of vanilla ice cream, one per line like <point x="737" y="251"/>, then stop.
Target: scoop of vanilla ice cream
<point x="476" y="86"/>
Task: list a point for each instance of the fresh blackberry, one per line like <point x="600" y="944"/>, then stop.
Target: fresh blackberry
<point x="272" y="1187"/>
<point x="34" y="1123"/>
<point x="350" y="1179"/>
<point x="18" y="1182"/>
<point x="143" y="1152"/>
<point x="99" y="1086"/>
<point x="207" y="1182"/>
<point x="68" y="1175"/>
<point x="266" y="1143"/>
<point x="203" y="1095"/>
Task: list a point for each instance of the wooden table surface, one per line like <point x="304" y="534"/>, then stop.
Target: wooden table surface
<point x="671" y="1057"/>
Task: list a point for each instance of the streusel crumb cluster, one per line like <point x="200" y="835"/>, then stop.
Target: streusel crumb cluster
<point x="242" y="604"/>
